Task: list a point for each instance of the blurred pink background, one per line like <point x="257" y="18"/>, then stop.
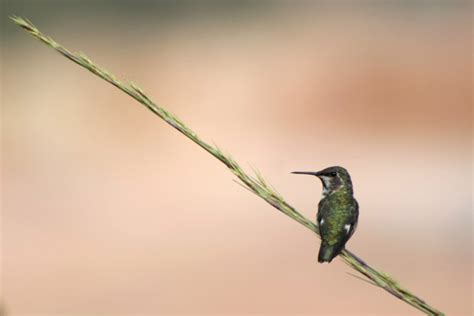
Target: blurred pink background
<point x="106" y="210"/>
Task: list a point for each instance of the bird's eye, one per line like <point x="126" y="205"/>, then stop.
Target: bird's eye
<point x="333" y="174"/>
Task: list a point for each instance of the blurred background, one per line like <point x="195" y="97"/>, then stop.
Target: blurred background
<point x="106" y="210"/>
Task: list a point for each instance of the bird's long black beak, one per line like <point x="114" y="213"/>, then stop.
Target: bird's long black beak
<point x="311" y="173"/>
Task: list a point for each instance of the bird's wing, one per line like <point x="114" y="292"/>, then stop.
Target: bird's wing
<point x="354" y="221"/>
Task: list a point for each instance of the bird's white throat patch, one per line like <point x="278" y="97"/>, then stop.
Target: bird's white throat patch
<point x="326" y="185"/>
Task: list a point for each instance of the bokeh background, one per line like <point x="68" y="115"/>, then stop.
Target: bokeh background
<point x="106" y="210"/>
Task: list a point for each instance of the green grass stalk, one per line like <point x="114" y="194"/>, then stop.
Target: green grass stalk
<point x="256" y="184"/>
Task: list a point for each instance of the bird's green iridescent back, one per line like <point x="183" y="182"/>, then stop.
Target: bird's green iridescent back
<point x="337" y="210"/>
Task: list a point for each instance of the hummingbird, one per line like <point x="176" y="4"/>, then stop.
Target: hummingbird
<point x="338" y="211"/>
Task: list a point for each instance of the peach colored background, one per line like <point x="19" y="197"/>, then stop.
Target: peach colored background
<point x="108" y="211"/>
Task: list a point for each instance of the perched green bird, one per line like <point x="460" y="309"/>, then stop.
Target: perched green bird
<point x="337" y="211"/>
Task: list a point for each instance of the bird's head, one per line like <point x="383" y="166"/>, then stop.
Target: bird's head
<point x="333" y="178"/>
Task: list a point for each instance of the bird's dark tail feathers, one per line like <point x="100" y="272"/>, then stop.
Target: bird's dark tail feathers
<point x="327" y="252"/>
